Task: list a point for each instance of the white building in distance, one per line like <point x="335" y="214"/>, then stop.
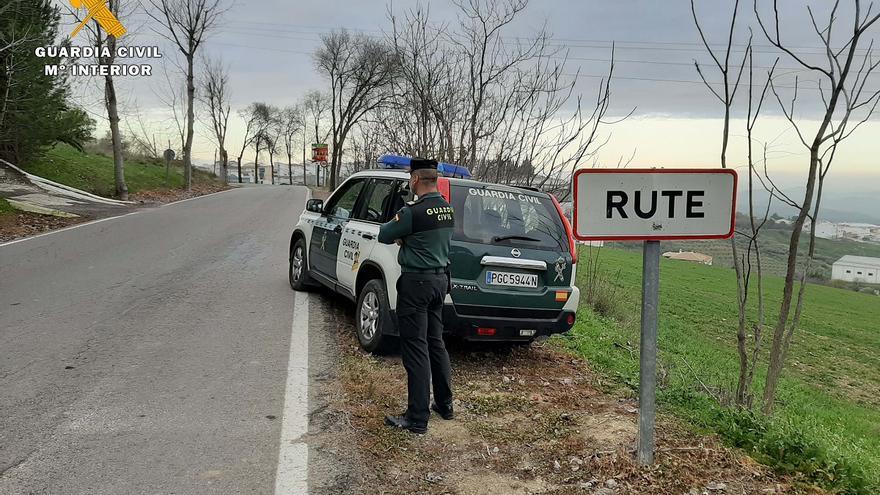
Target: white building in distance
<point x="856" y="269"/>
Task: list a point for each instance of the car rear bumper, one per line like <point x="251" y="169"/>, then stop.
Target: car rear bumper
<point x="470" y="327"/>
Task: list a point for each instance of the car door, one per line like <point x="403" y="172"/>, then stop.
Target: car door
<point x="360" y="235"/>
<point x="326" y="236"/>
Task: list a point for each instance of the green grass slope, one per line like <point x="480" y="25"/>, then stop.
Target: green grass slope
<point x="94" y="172"/>
<point x="829" y="396"/>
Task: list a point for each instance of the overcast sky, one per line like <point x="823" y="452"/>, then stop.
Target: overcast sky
<point x="268" y="45"/>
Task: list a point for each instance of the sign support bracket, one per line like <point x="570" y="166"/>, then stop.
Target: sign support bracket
<point x="648" y="351"/>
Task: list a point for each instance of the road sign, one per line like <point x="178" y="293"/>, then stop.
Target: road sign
<point x="654" y="204"/>
<point x="320" y="152"/>
<point x="651" y="205"/>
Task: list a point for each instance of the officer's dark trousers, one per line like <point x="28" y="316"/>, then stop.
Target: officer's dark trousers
<point x="419" y="317"/>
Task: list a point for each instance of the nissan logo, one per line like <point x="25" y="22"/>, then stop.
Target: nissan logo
<point x="515" y="252"/>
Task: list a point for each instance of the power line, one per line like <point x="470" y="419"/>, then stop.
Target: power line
<point x="554" y="57"/>
<point x="570" y="42"/>
<point x="578" y="75"/>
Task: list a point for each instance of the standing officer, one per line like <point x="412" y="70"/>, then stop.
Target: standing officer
<point x="423" y="229"/>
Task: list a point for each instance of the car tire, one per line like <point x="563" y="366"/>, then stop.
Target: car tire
<point x="373" y="316"/>
<point x="298" y="267"/>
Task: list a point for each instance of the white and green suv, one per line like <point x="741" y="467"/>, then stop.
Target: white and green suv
<point x="512" y="258"/>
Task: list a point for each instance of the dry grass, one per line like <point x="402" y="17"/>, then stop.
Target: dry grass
<point x="528" y="421"/>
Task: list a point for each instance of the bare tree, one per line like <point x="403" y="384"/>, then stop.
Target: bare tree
<point x="358" y="69"/>
<point x="185" y="23"/>
<point x="252" y="116"/>
<point x="730" y="80"/>
<point x="489" y="64"/>
<point x="170" y="94"/>
<point x="142" y="138"/>
<point x="315" y="105"/>
<point x="290" y="123"/>
<point x="845" y="105"/>
<point x="99" y="38"/>
<point x="469" y="96"/>
<point x="271" y="137"/>
<point x="216" y="96"/>
<point x="262" y="120"/>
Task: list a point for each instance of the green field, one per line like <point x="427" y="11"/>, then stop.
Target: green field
<point x="93" y="172"/>
<point x="828" y="406"/>
<point x="774" y="249"/>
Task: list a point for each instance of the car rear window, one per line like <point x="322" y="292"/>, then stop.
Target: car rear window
<point x="494" y="216"/>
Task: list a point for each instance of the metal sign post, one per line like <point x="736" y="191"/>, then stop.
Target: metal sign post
<point x="651" y="205"/>
<point x="648" y="351"/>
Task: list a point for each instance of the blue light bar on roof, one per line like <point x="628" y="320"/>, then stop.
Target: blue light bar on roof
<point x="401" y="162"/>
<point x="394" y="162"/>
<point x="450" y="170"/>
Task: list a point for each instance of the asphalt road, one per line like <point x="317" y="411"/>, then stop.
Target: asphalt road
<point x="149" y="353"/>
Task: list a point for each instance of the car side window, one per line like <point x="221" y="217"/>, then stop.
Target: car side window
<point x="342" y="205"/>
<point x="402" y="195"/>
<point x="378" y="203"/>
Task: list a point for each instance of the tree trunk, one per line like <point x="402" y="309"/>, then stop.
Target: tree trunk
<point x="224" y="167"/>
<point x="256" y="165"/>
<point x="290" y="169"/>
<point x="116" y="137"/>
<point x="271" y="168"/>
<point x="190" y="121"/>
<point x="9" y="74"/>
<point x="239" y="169"/>
<point x="777" y="358"/>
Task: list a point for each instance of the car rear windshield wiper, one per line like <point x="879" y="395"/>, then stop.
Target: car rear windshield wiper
<point x="499" y="238"/>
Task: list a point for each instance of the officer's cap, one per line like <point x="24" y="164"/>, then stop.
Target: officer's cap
<point x="422" y="164"/>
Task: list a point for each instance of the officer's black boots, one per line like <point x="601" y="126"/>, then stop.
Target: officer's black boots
<point x="445" y="411"/>
<point x="407" y="424"/>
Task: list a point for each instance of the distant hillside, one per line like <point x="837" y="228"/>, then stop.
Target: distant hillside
<point x="774" y="251"/>
<point x="839" y="207"/>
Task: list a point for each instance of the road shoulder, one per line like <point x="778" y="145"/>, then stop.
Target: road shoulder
<point x="529" y="420"/>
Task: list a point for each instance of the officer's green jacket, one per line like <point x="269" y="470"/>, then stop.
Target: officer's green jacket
<point x="425" y="226"/>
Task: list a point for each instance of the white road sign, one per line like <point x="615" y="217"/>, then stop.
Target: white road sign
<point x="654" y="204"/>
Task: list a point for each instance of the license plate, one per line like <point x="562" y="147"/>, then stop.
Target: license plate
<point x="512" y="279"/>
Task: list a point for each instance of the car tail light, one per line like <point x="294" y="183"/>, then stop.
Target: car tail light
<point x="561" y="295"/>
<point x="570" y="319"/>
<point x="485" y="332"/>
<point x="572" y="247"/>
<point x="443" y="187"/>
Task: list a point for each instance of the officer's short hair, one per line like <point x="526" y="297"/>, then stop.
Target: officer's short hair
<point x="426" y="174"/>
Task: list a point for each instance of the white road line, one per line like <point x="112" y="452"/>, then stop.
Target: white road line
<point x="23" y="239"/>
<point x="92" y="222"/>
<point x="291" y="478"/>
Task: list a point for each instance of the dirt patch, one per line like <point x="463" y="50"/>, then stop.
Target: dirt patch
<point x="16" y="225"/>
<point x="528" y="421"/>
<point x="161" y="196"/>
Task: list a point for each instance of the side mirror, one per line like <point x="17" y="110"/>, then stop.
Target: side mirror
<point x="315" y="206"/>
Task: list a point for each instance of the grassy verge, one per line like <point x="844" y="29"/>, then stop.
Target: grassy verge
<point x="5" y="207"/>
<point x="826" y="427"/>
<point x="94" y="172"/>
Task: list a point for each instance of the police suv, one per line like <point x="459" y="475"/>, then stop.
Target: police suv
<point x="512" y="258"/>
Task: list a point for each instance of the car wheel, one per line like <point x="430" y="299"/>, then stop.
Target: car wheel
<point x="298" y="270"/>
<point x="372" y="316"/>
